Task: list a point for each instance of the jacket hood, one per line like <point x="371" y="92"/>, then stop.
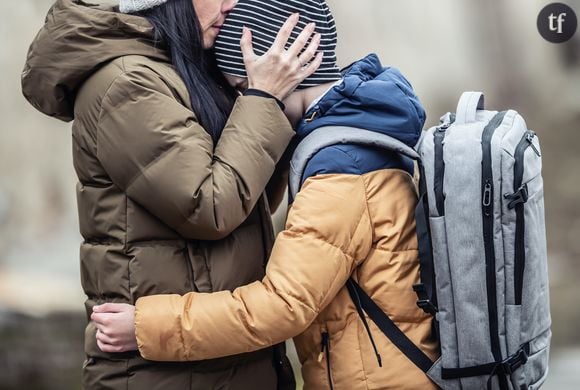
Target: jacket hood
<point x="76" y="40"/>
<point x="370" y="97"/>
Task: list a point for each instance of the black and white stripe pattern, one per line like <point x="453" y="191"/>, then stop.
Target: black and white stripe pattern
<point x="265" y="18"/>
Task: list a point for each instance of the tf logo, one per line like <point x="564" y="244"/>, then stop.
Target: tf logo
<point x="557" y="22"/>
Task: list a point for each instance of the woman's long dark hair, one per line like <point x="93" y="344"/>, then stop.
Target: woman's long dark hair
<point x="177" y="29"/>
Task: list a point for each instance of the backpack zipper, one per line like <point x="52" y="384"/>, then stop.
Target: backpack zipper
<point x="517" y="201"/>
<point x="325" y="351"/>
<point x="487" y="215"/>
<point x="526" y="142"/>
<point x="530" y="138"/>
<point x="438" y="139"/>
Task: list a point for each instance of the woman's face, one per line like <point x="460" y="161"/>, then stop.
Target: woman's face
<point x="211" y="15"/>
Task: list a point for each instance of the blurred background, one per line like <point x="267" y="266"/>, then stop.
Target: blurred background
<point x="444" y="47"/>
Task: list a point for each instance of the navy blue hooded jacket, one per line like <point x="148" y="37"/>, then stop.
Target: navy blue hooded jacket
<point x="372" y="98"/>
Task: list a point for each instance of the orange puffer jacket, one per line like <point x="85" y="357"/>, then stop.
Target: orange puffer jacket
<point x="339" y="225"/>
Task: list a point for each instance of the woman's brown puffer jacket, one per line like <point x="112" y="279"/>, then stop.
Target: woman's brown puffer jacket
<point x="161" y="210"/>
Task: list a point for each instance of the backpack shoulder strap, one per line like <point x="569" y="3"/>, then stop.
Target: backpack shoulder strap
<point x="336" y="135"/>
<point x="365" y="304"/>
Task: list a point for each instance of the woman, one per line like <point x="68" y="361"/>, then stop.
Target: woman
<point x="170" y="193"/>
<point x="353" y="216"/>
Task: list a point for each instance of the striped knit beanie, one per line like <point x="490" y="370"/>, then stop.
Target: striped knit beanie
<point x="130" y="6"/>
<point x="265" y="18"/>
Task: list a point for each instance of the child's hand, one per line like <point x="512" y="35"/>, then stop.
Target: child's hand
<point x="115" y="324"/>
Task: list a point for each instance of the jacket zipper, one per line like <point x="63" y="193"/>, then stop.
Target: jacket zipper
<point x="438" y="139"/>
<point x="487" y="214"/>
<point x="518" y="200"/>
<point x="325" y="351"/>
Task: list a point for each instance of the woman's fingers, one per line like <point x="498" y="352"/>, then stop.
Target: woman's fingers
<point x="247" y="47"/>
<point x="301" y="41"/>
<point x="312" y="67"/>
<point x="279" y="71"/>
<point x="310" y="51"/>
<point x="285" y="32"/>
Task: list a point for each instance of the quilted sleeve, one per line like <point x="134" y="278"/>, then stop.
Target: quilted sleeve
<point x="327" y="235"/>
<point x="154" y="149"/>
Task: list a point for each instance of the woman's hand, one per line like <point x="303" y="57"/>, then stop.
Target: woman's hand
<point x="115" y="324"/>
<point x="280" y="71"/>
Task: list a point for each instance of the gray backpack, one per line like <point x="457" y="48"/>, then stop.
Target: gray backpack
<point x="482" y="247"/>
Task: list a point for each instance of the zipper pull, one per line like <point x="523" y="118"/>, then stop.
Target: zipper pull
<point x="323" y="346"/>
<point x="530" y="138"/>
<point x="444" y="127"/>
<point x="312" y="117"/>
<point x="487" y="194"/>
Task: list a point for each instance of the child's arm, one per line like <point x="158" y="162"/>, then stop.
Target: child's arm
<point x="328" y="233"/>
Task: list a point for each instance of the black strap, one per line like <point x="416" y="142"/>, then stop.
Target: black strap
<point x="388" y="327"/>
<point x="505" y="367"/>
<point x="350" y="285"/>
<point x="466" y="372"/>
<point x="426" y="289"/>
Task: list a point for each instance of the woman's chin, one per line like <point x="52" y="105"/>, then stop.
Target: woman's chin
<point x="209" y="38"/>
